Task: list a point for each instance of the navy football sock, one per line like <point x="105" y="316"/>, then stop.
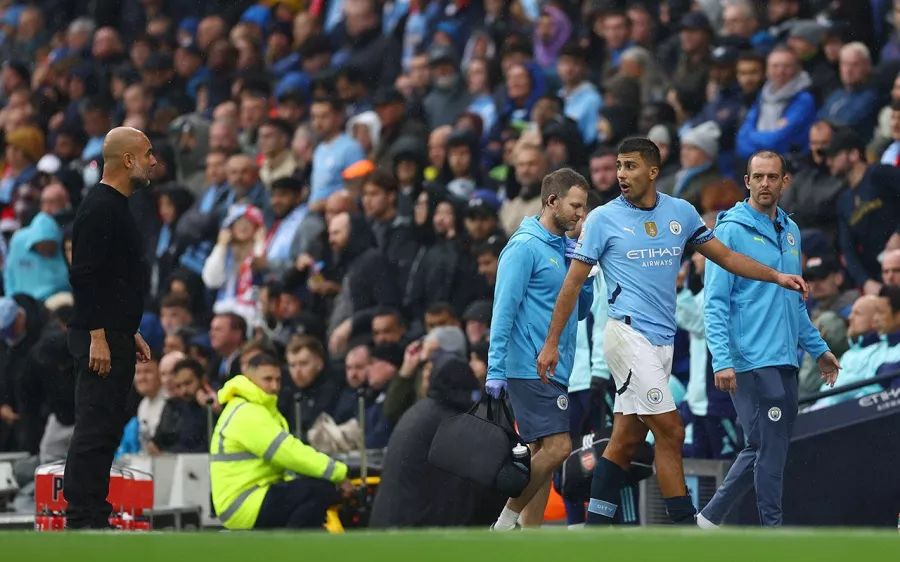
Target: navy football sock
<point x="681" y="510"/>
<point x="606" y="492"/>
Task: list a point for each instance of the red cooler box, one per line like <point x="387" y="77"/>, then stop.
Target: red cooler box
<point x="130" y="493"/>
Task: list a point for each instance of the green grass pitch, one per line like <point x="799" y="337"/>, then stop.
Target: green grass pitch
<point x="659" y="544"/>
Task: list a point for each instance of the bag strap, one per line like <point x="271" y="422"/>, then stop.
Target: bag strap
<point x="507" y="413"/>
<point x="489" y="401"/>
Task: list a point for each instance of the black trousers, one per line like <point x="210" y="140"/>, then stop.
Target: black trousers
<point x="297" y="504"/>
<point x="100" y="416"/>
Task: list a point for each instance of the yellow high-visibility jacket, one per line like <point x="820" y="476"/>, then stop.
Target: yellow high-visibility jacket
<point x="251" y="449"/>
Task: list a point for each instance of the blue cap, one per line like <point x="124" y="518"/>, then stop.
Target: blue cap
<point x="258" y="15"/>
<point x="484" y="201"/>
<point x="189" y="25"/>
<point x="9" y="312"/>
<point x="293" y="81"/>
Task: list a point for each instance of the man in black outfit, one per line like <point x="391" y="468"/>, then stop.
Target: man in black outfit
<point x="108" y="277"/>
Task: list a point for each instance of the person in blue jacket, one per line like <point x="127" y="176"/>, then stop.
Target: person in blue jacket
<point x="784" y="111"/>
<point x="753" y="330"/>
<point x="35" y="265"/>
<point x="530" y="275"/>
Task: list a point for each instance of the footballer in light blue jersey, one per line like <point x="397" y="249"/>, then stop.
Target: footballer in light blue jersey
<point x="638" y="240"/>
<point x="639" y="251"/>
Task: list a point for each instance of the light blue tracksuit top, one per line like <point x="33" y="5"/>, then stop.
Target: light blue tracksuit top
<point x="750" y="324"/>
<point x="529" y="277"/>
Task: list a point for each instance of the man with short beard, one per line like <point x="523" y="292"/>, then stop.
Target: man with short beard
<point x="108" y="279"/>
<point x="532" y="270"/>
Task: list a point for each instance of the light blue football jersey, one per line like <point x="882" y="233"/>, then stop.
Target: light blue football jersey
<point x="639" y="251"/>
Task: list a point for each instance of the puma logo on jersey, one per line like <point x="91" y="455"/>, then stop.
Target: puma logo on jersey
<point x="554" y="262"/>
<point x="758" y="239"/>
<point x="631" y="230"/>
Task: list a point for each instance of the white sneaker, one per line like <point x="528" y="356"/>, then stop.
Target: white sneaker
<point x="705" y="523"/>
<point x="495" y="530"/>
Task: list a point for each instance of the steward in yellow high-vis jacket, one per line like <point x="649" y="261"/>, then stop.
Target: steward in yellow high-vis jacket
<point x="253" y="459"/>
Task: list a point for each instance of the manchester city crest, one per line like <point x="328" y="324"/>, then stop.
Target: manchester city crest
<point x="790" y="239"/>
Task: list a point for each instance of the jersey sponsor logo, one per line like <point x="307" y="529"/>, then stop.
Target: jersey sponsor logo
<point x="790" y="239"/>
<point x="651" y="229"/>
<point x="655" y="257"/>
<point x="655" y="396"/>
<point x="775" y="413"/>
<point x="562" y="402"/>
<point x="675" y="227"/>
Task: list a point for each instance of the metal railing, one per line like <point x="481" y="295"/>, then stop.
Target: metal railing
<point x="850" y="387"/>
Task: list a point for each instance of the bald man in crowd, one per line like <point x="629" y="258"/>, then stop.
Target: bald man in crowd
<point x="54" y="199"/>
<point x="890" y="268"/>
<point x="108" y="278"/>
<point x="340" y="202"/>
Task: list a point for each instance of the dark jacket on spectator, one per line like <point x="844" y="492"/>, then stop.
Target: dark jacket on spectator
<point x="347" y="406"/>
<point x="824" y="77"/>
<point x="182" y="428"/>
<point x="409" y="128"/>
<point x="448" y="273"/>
<point x="398" y="244"/>
<point x="857" y="108"/>
<point x="46" y="387"/>
<point x="868" y="215"/>
<point x="377" y="54"/>
<point x="13" y="358"/>
<point x="812" y="198"/>
<point x="378" y="427"/>
<point x="317" y="399"/>
<point x="413" y="493"/>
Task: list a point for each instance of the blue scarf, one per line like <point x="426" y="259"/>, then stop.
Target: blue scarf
<point x="280" y="245"/>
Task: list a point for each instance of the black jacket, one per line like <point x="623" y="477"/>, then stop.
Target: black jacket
<point x="414" y="493"/>
<point x="183" y="428"/>
<point x="812" y="199"/>
<point x="317" y="399"/>
<point x="448" y="273"/>
<point x="397" y="243"/>
<point x="377" y="55"/>
<point x="13" y="358"/>
<point x="46" y="387"/>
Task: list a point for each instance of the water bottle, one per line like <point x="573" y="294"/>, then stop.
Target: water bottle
<point x="520" y="457"/>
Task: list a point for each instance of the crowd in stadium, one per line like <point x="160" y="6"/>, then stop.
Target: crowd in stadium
<point x="337" y="179"/>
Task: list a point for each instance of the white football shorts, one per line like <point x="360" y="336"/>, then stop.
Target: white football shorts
<point x="640" y="370"/>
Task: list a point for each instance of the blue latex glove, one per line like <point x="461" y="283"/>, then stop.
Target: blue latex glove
<point x="571" y="243"/>
<point x="496" y="388"/>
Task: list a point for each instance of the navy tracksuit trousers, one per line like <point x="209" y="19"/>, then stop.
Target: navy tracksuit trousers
<point x="766" y="404"/>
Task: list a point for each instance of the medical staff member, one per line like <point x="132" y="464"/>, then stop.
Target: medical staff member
<point x="753" y="330"/>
